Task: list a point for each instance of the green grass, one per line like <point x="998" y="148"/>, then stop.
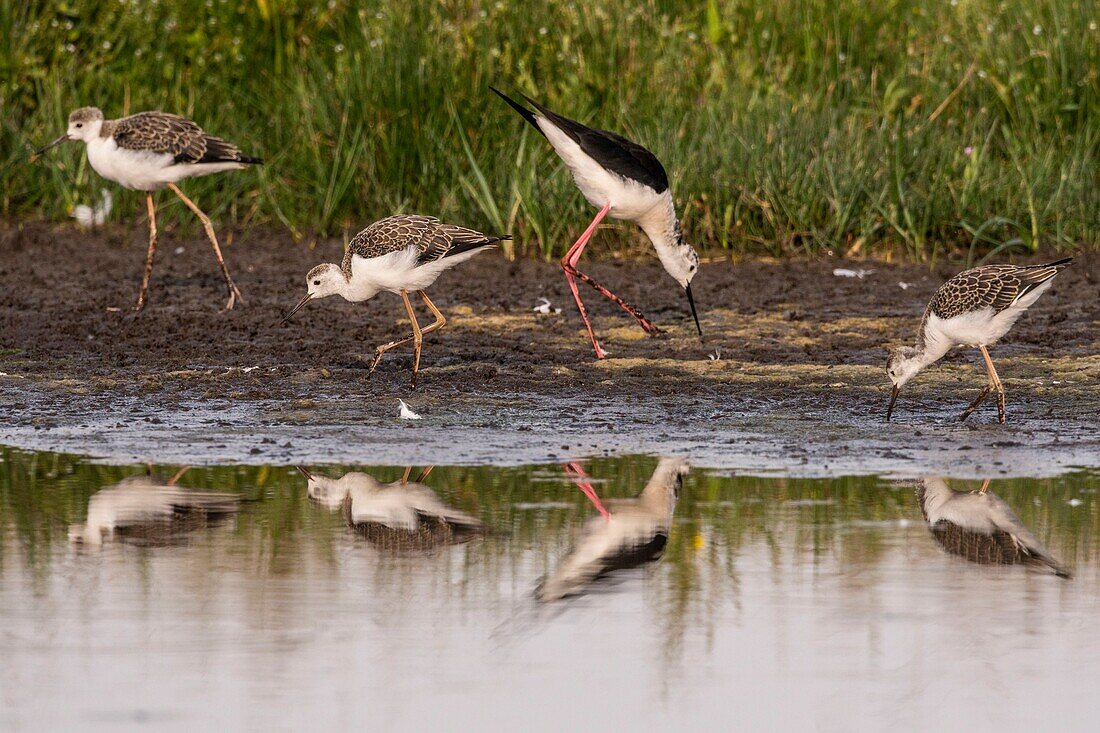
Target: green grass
<point x="897" y="128"/>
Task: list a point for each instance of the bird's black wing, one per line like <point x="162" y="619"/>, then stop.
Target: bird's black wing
<point x="392" y="234"/>
<point x="612" y="151"/>
<point x="449" y="240"/>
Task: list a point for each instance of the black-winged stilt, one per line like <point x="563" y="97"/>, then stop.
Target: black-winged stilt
<point x="980" y="527"/>
<point x="141" y="510"/>
<point x="625" y="181"/>
<point x="629" y="532"/>
<point x="399" y="515"/>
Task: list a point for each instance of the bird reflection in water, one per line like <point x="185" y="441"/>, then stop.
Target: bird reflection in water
<point x="145" y="511"/>
<point x="402" y="516"/>
<point x="627" y="534"/>
<point x="980" y="527"/>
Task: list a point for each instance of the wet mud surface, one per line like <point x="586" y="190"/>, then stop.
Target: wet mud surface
<point x="799" y="387"/>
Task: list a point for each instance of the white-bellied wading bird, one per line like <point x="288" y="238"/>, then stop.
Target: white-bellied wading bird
<point x="399" y="515"/>
<point x="630" y="533"/>
<point x="397" y="254"/>
<point x="141" y="510"/>
<point x="150" y="151"/>
<point x="975" y="308"/>
<point x="625" y="181"/>
<point x="980" y="527"/>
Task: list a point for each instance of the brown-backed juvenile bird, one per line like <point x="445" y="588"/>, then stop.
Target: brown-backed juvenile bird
<point x="397" y="254"/>
<point x="975" y="308"/>
<point x="149" y="151"/>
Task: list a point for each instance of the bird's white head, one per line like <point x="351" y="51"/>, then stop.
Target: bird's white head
<point x="85" y="124"/>
<point x="322" y="281"/>
<point x="325" y="280"/>
<point x="682" y="263"/>
<point x="902" y="365"/>
<point x="328" y="492"/>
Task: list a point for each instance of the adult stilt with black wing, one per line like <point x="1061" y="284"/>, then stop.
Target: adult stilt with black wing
<point x="975" y="308"/>
<point x="149" y="151"/>
<point x="398" y="254"/>
<point x="624" y="181"/>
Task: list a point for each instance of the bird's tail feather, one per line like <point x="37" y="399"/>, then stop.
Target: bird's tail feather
<point x="524" y="112"/>
<point x="463" y="247"/>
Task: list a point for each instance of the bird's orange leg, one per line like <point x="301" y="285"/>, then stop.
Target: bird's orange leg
<point x="152" y="249"/>
<point x="439" y="323"/>
<point x="208" y="226"/>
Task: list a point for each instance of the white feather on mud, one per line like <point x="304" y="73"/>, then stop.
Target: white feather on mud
<point x="406" y="412"/>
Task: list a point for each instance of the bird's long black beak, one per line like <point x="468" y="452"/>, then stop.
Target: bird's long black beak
<point x="295" y="309"/>
<point x="304" y="472"/>
<point x="54" y="144"/>
<point x="893" y="399"/>
<point x="691" y="302"/>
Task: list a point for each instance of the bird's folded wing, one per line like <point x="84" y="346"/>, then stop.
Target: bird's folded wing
<point x="160" y="132"/>
<point x="393" y="234"/>
<point x="992" y="286"/>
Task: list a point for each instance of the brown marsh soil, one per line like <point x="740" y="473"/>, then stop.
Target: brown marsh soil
<point x="798" y="380"/>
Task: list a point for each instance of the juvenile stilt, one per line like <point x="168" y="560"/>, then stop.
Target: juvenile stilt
<point x="148" y="151"/>
<point x="398" y="254"/>
<point x="975" y="307"/>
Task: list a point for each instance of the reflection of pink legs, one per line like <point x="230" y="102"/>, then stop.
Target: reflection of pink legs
<point x="577" y="475"/>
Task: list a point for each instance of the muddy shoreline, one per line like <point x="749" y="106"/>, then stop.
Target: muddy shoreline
<point x="799" y="387"/>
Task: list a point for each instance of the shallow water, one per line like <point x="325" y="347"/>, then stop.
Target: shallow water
<point x="776" y="603"/>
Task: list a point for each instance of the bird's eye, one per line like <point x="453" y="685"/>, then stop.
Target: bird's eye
<point x="316" y="282"/>
<point x="691" y="269"/>
<point x="80" y="124"/>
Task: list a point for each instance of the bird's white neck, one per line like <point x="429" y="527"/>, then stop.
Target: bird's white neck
<point x="936" y="494"/>
<point x="663" y="229"/>
<point x="661" y="226"/>
<point x="355" y="288"/>
<point x="931" y="346"/>
<point x="660" y="493"/>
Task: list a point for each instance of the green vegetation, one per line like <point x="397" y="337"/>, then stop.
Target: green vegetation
<point x="902" y="127"/>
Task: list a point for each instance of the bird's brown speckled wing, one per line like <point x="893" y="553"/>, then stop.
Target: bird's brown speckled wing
<point x="431" y="237"/>
<point x="160" y="132"/>
<point x="990" y="286"/>
<point x="392" y="234"/>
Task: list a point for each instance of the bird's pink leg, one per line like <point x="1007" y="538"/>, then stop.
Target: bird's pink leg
<point x="569" y="264"/>
<point x="577" y="475"/>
